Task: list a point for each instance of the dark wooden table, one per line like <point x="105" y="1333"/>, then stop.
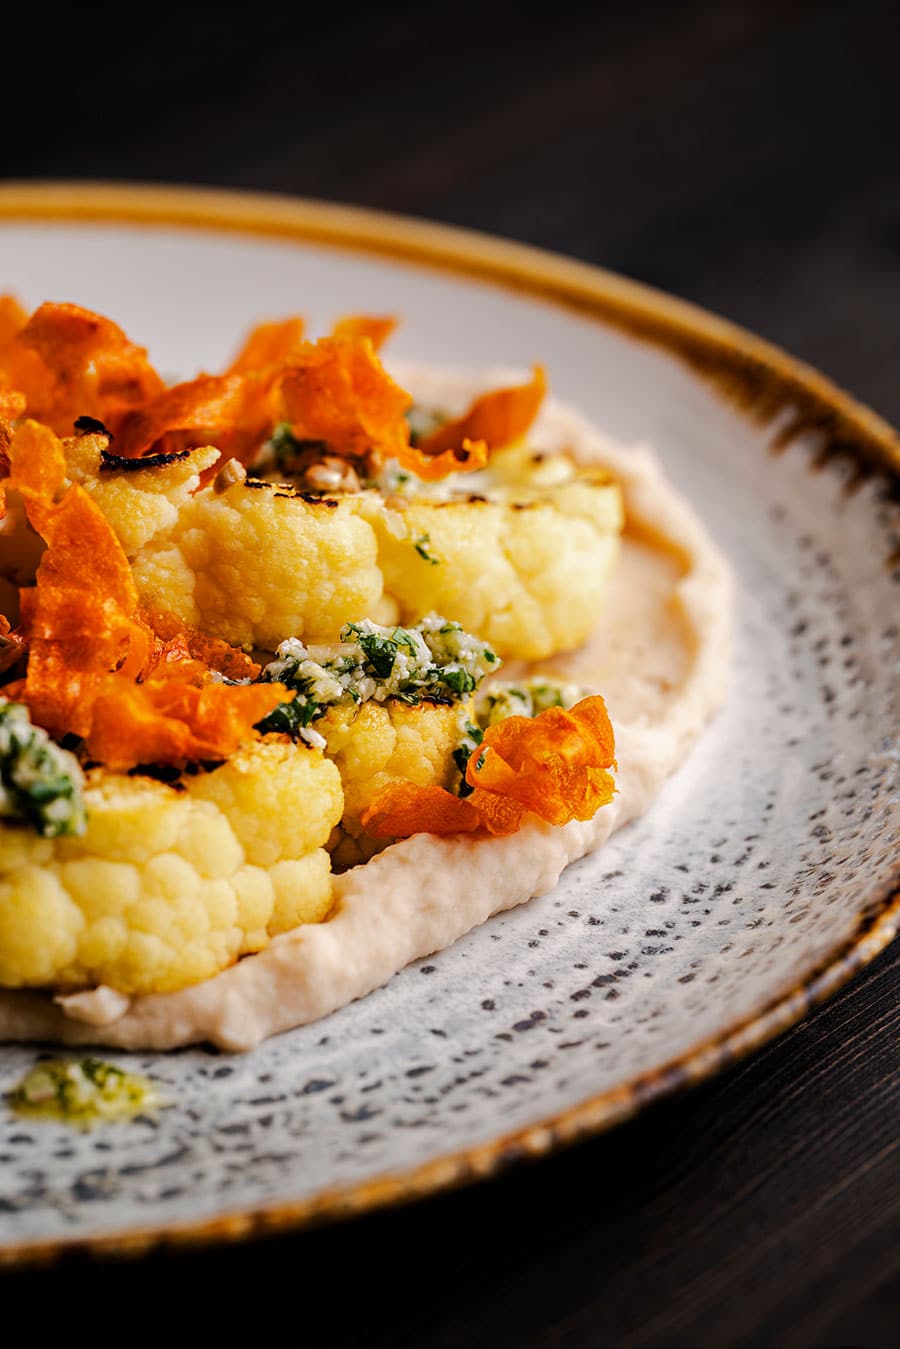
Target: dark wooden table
<point x="744" y="155"/>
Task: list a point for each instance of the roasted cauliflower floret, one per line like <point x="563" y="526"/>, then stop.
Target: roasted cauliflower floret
<point x="267" y="561"/>
<point x="384" y="703"/>
<point x="170" y="884"/>
<point x="140" y="498"/>
<point x="526" y="570"/>
<point x="378" y="742"/>
<point x="248" y="563"/>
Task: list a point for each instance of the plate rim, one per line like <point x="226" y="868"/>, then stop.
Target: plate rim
<point x="759" y="378"/>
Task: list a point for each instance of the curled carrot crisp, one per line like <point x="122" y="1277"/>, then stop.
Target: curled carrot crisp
<point x="175" y="644"/>
<point x="497" y="418"/>
<point x="170" y="722"/>
<point x="37" y="462"/>
<point x="232" y="412"/>
<point x="86" y="367"/>
<point x="493" y="420"/>
<point x="269" y="344"/>
<point x="469" y="455"/>
<point x="376" y="329"/>
<point x="403" y="808"/>
<point x="12" y="404"/>
<point x="66" y="363"/>
<point x="334" y="390"/>
<point x="553" y="766"/>
<point x="78" y="619"/>
<point x="22" y="372"/>
<point x="339" y="392"/>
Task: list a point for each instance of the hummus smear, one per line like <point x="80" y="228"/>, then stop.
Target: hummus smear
<point x="659" y="656"/>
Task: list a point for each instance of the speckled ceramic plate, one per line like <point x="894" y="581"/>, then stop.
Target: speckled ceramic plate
<point x="761" y="879"/>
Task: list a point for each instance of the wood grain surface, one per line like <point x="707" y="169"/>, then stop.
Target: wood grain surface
<point x="743" y="155"/>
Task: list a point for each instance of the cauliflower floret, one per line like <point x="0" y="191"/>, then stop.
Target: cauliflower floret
<point x="527" y="575"/>
<point x="170" y="884"/>
<point x="377" y="742"/>
<point x="269" y="562"/>
<point x="141" y="504"/>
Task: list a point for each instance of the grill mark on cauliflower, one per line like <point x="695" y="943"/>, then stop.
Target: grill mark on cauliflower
<point x="166" y="888"/>
<point x="117" y="463"/>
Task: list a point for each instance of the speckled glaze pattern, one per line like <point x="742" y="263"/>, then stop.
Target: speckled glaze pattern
<point x="764" y="857"/>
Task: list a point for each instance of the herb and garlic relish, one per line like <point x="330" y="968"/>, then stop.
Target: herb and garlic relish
<point x="524" y="698"/>
<point x="82" y="1092"/>
<point x="40" y="783"/>
<point x="435" y="660"/>
<point x="501" y="699"/>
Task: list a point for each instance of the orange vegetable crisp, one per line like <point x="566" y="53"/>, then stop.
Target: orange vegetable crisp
<point x="553" y="766"/>
<point x="96" y="667"/>
<point x="65" y="362"/>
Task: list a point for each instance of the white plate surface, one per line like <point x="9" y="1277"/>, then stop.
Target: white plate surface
<point x="759" y="863"/>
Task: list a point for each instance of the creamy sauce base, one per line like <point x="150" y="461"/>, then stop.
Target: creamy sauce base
<point x="660" y="658"/>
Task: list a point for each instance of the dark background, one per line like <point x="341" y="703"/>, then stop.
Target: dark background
<point x="745" y="156"/>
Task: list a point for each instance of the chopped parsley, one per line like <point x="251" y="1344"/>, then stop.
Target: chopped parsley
<point x="421" y="545"/>
<point x="40" y="783"/>
<point x="434" y="661"/>
<point x="463" y="753"/>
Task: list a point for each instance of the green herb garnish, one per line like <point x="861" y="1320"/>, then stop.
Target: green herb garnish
<point x="421" y="546"/>
<point x="433" y="661"/>
<point x="40" y="782"/>
<point x="82" y="1092"/>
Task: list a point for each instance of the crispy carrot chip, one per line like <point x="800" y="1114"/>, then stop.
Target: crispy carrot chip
<point x="175" y="644"/>
<point x="233" y="412"/>
<point x="21" y="370"/>
<point x="12" y="320"/>
<point x="90" y="368"/>
<point x="12" y="647"/>
<point x="12" y="403"/>
<point x="499" y="815"/>
<point x="88" y="643"/>
<point x="171" y="722"/>
<point x="37" y="465"/>
<point x="471" y="454"/>
<point x="376" y="329"/>
<point x="275" y="343"/>
<point x="553" y="764"/>
<point x="497" y="418"/>
<point x="339" y="392"/>
<point x="402" y="808"/>
<point x="79" y="618"/>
